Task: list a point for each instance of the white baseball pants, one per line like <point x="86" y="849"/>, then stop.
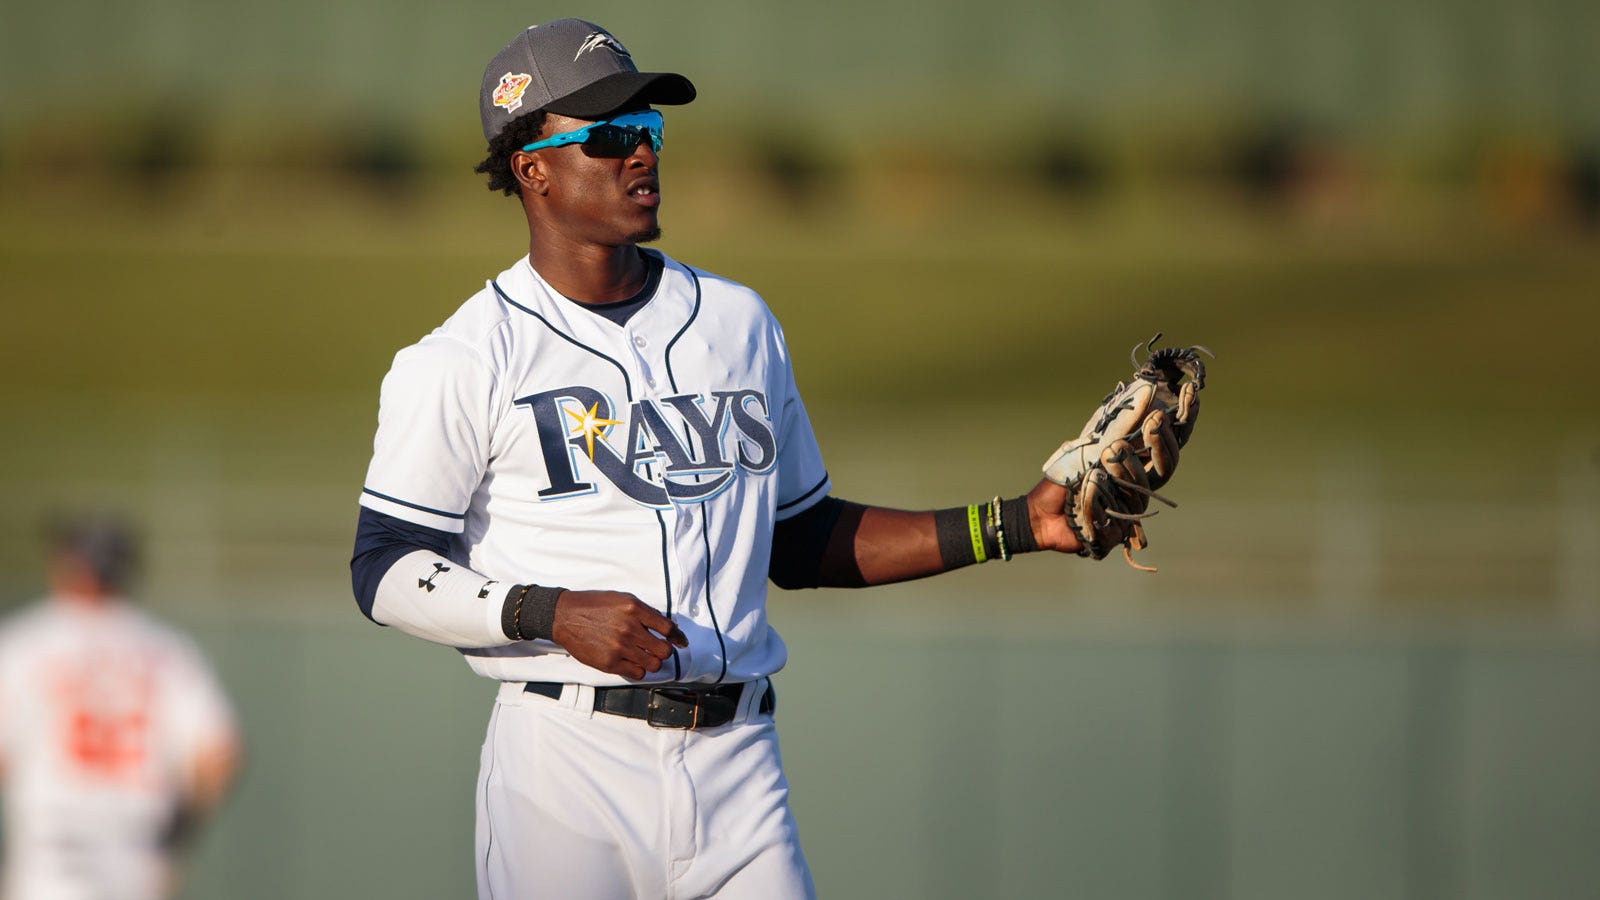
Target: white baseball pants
<point x="581" y="805"/>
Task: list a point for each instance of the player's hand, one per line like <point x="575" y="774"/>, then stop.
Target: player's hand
<point x="614" y="632"/>
<point x="1047" y="513"/>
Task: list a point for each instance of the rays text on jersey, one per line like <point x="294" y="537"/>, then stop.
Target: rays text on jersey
<point x="673" y="450"/>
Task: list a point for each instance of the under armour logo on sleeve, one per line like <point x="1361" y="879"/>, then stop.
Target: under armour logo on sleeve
<point x="427" y="583"/>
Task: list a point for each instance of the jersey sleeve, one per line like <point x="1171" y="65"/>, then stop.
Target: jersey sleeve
<point x="434" y="428"/>
<point x="802" y="478"/>
<point x="198" y="713"/>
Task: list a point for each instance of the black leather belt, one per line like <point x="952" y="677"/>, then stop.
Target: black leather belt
<point x="683" y="706"/>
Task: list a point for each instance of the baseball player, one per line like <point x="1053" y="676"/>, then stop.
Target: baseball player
<point x="115" y="738"/>
<point x="584" y="480"/>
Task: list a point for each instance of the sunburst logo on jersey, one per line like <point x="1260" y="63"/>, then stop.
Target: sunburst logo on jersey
<point x="589" y="424"/>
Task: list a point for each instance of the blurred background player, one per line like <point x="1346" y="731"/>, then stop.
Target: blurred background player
<point x="116" y="739"/>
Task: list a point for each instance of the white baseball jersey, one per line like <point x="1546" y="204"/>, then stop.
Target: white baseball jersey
<point x="102" y="710"/>
<point x="564" y="449"/>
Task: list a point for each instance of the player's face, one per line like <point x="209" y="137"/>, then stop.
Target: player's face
<point x="596" y="199"/>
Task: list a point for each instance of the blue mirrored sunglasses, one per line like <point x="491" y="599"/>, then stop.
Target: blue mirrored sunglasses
<point x="611" y="138"/>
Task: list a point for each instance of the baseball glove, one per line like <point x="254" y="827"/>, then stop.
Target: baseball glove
<point x="1128" y="449"/>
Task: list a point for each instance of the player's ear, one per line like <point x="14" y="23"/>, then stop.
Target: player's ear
<point x="530" y="172"/>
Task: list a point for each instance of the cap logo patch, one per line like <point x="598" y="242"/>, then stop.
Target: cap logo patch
<point x="599" y="39"/>
<point x="508" y="93"/>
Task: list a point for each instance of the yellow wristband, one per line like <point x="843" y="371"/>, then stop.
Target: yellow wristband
<point x="975" y="526"/>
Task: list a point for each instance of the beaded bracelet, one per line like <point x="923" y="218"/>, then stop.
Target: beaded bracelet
<point x="999" y="528"/>
<point x="516" y="614"/>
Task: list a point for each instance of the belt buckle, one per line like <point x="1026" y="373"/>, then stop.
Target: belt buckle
<point x="677" y="695"/>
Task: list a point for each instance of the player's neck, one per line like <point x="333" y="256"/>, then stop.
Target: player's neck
<point x="77" y="587"/>
<point x="589" y="273"/>
<point x="86" y="601"/>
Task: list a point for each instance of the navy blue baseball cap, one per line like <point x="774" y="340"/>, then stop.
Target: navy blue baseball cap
<point x="572" y="68"/>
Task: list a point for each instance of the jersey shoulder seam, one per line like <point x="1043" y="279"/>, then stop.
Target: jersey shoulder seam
<point x="475" y="324"/>
<point x="476" y="353"/>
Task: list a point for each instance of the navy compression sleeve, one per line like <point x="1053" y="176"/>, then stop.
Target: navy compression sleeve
<point x="380" y="541"/>
<point x="816" y="548"/>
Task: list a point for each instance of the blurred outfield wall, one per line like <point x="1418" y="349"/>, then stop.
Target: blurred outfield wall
<point x="955" y="760"/>
<point x="892" y="67"/>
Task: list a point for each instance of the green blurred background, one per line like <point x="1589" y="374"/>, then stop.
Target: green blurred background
<point x="1368" y="667"/>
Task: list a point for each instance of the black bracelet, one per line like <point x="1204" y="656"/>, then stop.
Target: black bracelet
<point x="1018" y="525"/>
<point x="180" y="828"/>
<point x="529" y="612"/>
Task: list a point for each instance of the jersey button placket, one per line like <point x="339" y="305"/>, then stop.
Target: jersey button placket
<point x="640" y="342"/>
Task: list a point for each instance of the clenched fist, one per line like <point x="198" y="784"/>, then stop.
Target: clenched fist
<point x="614" y="632"/>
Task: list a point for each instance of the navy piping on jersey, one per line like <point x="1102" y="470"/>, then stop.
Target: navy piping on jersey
<point x="666" y="576"/>
<point x="692" y="314"/>
<point x="672" y="381"/>
<point x="806" y="496"/>
<point x="416" y="506"/>
<point x="705" y="537"/>
<point x="627" y="384"/>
